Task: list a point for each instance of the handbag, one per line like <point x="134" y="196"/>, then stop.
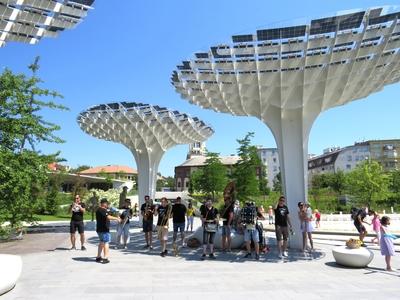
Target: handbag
<point x="211" y="227"/>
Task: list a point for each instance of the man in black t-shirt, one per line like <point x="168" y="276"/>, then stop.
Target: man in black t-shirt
<point x="103" y="218"/>
<point x="282" y="221"/>
<point x="163" y="212"/>
<point x="147" y="211"/>
<point x="77" y="209"/>
<point x="227" y="217"/>
<point x="178" y="219"/>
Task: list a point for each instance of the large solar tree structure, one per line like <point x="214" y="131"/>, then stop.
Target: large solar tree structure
<point x="148" y="131"/>
<point x="287" y="76"/>
<point x="28" y="21"/>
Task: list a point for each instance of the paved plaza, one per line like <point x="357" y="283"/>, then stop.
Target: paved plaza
<point x="51" y="271"/>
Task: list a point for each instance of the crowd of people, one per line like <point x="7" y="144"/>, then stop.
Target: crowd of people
<point x="242" y="220"/>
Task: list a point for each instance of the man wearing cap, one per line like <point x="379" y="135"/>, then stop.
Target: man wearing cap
<point x="103" y="218"/>
<point x="123" y="227"/>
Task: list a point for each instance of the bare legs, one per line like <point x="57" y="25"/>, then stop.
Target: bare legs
<point x="103" y="247"/>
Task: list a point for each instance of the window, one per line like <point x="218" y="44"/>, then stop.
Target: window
<point x="348" y="167"/>
<point x="187" y="184"/>
<point x="349" y="158"/>
<point x="274" y="159"/>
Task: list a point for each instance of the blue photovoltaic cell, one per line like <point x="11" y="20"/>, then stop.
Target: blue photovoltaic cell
<point x="281" y="33"/>
<point x="383" y="19"/>
<point x="242" y="38"/>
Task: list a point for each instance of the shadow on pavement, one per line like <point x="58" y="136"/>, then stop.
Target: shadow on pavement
<point x="137" y="246"/>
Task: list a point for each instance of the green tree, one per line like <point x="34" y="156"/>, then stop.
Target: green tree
<point x="23" y="170"/>
<point x="244" y="173"/>
<point x="368" y="183"/>
<point x="277" y="187"/>
<point x="337" y="182"/>
<point x="195" y="182"/>
<point x="214" y="177"/>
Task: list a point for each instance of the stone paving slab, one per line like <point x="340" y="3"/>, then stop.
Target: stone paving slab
<point x="136" y="273"/>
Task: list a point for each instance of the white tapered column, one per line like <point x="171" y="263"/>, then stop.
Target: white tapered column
<point x="291" y="128"/>
<point x="147" y="162"/>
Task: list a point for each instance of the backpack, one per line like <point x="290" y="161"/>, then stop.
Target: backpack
<point x="354" y="213"/>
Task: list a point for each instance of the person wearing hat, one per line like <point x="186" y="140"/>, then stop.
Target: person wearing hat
<point x="123" y="227"/>
<point x="103" y="218"/>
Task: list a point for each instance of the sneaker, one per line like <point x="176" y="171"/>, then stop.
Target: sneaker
<point x="203" y="256"/>
<point x="105" y="261"/>
<point x="285" y="254"/>
<point x="98" y="259"/>
<point x="151" y="247"/>
<point x="83" y="248"/>
<point x="147" y="246"/>
<point x="280" y="256"/>
<point x="72" y="248"/>
<point x="212" y="256"/>
<point x="162" y="254"/>
<point x="125" y="247"/>
<point x="257" y="256"/>
<point x="247" y="255"/>
<point x="363" y="245"/>
<point x="166" y="251"/>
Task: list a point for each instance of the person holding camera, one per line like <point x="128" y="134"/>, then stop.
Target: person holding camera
<point x="77" y="209"/>
<point x="103" y="218"/>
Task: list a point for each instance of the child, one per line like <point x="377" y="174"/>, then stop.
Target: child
<point x="376" y="226"/>
<point x="386" y="242"/>
<point x="317" y="218"/>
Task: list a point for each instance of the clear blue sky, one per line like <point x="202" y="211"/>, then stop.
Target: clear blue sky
<point x="126" y="51"/>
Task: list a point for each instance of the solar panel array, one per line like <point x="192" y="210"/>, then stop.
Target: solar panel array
<point x="291" y="66"/>
<point x="29" y="20"/>
<point x="136" y="124"/>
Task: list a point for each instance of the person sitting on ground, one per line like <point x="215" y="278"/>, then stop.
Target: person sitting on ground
<point x="103" y="218"/>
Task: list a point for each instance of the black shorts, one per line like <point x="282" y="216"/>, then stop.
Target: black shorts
<point x="76" y="225"/>
<point x="360" y="227"/>
<point x="148" y="226"/>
